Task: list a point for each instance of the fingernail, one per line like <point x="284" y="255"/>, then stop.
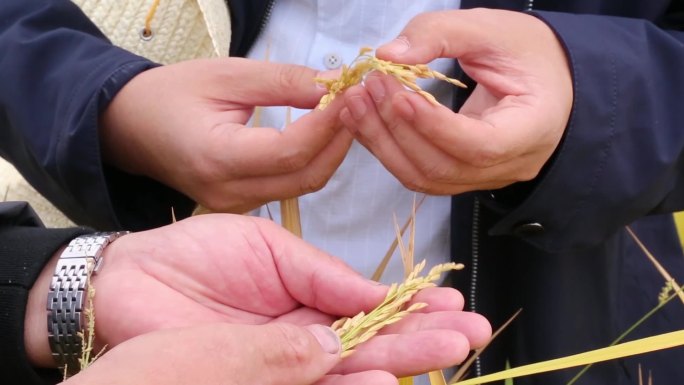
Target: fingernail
<point x="398" y="46"/>
<point x="326" y="337"/>
<point x="376" y="88"/>
<point x="357" y="107"/>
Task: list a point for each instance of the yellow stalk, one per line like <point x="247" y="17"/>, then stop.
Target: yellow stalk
<point x="437" y="378"/>
<point x="406" y="381"/>
<point x="464" y="367"/>
<point x="406" y="254"/>
<point x="662" y="302"/>
<point x="640" y="346"/>
<point x="289" y="214"/>
<point x="289" y="208"/>
<point x="390" y="251"/>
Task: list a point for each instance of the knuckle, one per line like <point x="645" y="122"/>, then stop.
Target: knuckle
<point x="527" y="174"/>
<point x="296" y="347"/>
<point x="288" y="76"/>
<point x="488" y="155"/>
<point x="438" y="173"/>
<point x="419" y="185"/>
<point x="313" y="182"/>
<point x="293" y="159"/>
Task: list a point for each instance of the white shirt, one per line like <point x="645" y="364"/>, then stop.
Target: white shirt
<point x="352" y="216"/>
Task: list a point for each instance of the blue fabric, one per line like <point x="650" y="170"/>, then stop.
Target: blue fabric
<point x="58" y="73"/>
<point x="580" y="280"/>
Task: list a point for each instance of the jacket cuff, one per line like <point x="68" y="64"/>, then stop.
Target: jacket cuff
<point x="25" y="251"/>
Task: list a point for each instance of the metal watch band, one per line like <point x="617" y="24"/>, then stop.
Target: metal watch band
<point x="68" y="294"/>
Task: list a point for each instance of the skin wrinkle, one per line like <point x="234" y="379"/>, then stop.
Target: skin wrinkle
<point x="277" y="306"/>
<point x="196" y="294"/>
<point x="276" y="258"/>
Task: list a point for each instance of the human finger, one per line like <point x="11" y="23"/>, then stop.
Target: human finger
<point x="248" y="192"/>
<point x="363" y="121"/>
<point x="408" y="354"/>
<point x="317" y="279"/>
<point x="240" y="151"/>
<point x="217" y="354"/>
<point x="508" y="132"/>
<point x="439" y="299"/>
<point x="371" y="131"/>
<point x="427" y="156"/>
<point x="472" y="325"/>
<point x="375" y="377"/>
<point x="262" y="83"/>
<point x="462" y="33"/>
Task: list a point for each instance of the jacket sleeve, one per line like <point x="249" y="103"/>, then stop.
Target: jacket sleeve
<point x="25" y="248"/>
<point x="58" y="72"/>
<point x="621" y="156"/>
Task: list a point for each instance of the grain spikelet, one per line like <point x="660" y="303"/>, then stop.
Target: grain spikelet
<point x="365" y="62"/>
<point x="361" y="327"/>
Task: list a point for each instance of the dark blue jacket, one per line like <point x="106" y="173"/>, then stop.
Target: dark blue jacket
<point x="555" y="246"/>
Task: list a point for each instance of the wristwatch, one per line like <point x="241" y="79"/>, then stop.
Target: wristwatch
<point x="68" y="294"/>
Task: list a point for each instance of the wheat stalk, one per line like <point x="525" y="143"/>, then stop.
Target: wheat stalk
<point x="360" y="328"/>
<point x="364" y="63"/>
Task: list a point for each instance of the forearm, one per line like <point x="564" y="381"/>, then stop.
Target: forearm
<point x="60" y="77"/>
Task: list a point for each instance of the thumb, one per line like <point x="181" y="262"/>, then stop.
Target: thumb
<point x="453" y="34"/>
<point x="293" y="355"/>
<point x="274" y="84"/>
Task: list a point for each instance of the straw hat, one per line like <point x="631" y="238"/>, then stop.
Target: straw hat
<point x="164" y="31"/>
<point x="13" y="187"/>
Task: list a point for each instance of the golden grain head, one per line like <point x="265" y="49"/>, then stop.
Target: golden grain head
<point x="365" y="62"/>
<point x="360" y="328"/>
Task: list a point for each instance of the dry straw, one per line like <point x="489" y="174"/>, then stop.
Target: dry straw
<point x="365" y="63"/>
<point x="640" y="346"/>
<point x="289" y="207"/>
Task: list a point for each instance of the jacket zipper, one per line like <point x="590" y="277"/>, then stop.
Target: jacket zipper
<point x="475" y="256"/>
<point x="475" y="248"/>
<point x="266" y="17"/>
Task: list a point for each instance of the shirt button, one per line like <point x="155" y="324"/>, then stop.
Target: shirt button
<point x="529" y="229"/>
<point x="332" y="61"/>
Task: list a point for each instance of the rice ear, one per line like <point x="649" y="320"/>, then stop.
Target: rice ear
<point x="365" y="63"/>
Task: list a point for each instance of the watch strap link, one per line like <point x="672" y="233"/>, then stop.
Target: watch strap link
<point x="68" y="294"/>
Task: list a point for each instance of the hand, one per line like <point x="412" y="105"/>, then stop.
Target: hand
<point x="220" y="354"/>
<point x="184" y="125"/>
<point x="247" y="270"/>
<point x="508" y="128"/>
